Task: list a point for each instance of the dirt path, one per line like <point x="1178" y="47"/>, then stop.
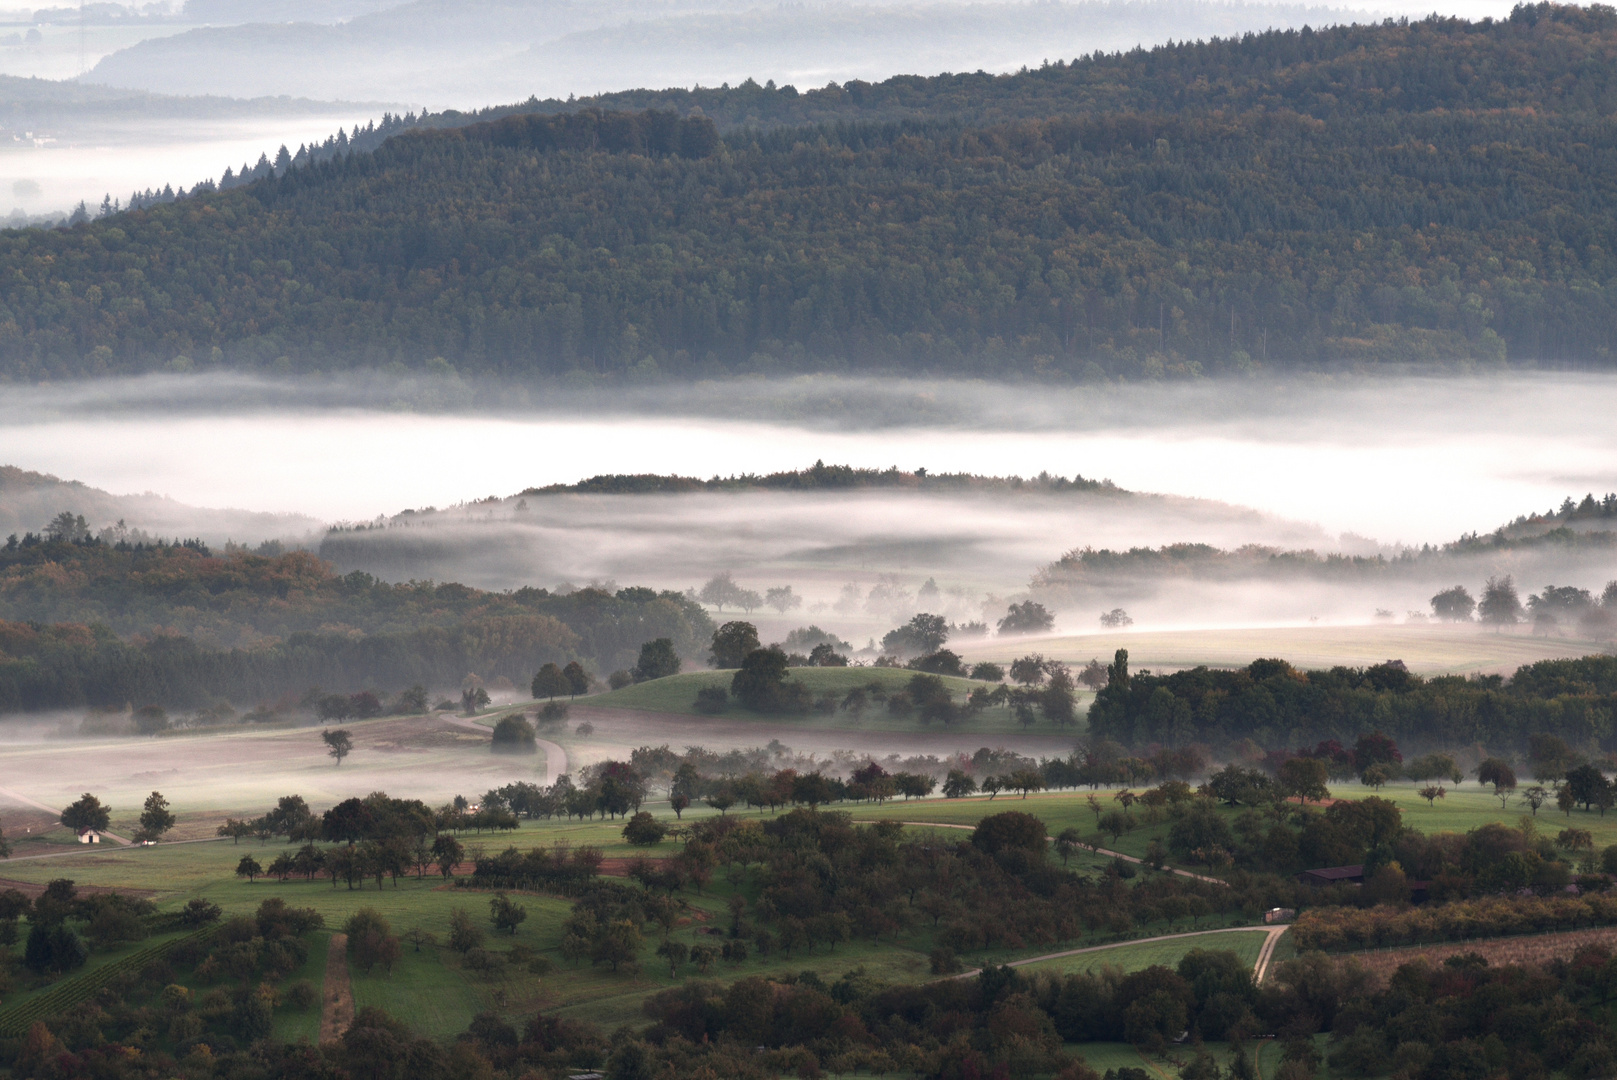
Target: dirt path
<point x="1259" y="969"/>
<point x="555" y="756"/>
<point x="336" y="995"/>
<point x="26" y="801"/>
<point x="1098" y="851"/>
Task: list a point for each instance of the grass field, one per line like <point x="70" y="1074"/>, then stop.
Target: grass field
<point x="291" y="1026"/>
<point x="1104" y="1056"/>
<point x="437" y="993"/>
<point x="1429" y="649"/>
<point x="1128" y="958"/>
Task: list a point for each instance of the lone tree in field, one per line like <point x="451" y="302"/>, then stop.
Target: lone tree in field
<point x="155" y="818"/>
<point x="339" y="743"/>
<point x="1028" y="617"/>
<point x="505" y="915"/>
<point x="249" y="868"/>
<point x="87" y="814"/>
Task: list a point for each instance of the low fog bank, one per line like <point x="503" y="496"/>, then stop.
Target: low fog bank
<point x="1281" y="407"/>
<point x="466" y="56"/>
<point x="860" y="563"/>
<point x="242" y="773"/>
<point x="975" y="548"/>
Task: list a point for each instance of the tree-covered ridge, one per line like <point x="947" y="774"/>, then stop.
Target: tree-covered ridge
<point x="823" y="477"/>
<point x="1432" y="192"/>
<point x="254" y="601"/>
<point x="1545" y="56"/>
<point x="1271" y="704"/>
<point x="1577" y="528"/>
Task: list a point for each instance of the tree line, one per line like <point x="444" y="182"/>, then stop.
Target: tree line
<point x="1271" y="704"/>
<point x="1429" y="192"/>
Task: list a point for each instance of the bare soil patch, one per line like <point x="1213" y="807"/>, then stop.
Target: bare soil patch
<point x="337" y="994"/>
<point x="1525" y="950"/>
<point x="33" y="889"/>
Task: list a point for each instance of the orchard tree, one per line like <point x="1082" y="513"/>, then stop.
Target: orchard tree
<point x="1029" y="670"/>
<point x="1454" y="605"/>
<point x="732" y="642"/>
<point x="87" y="814"/>
<point x="249" y="868"/>
<point x="658" y="660"/>
<point x="550" y="682"/>
<point x="1498" y="773"/>
<point x="783" y="599"/>
<point x="1536" y="796"/>
<point x="1500" y="606"/>
<point x="339" y="743"/>
<point x="1028" y="617"/>
<point x="578" y="680"/>
<point x="155" y="818"/>
<point x="1304" y="778"/>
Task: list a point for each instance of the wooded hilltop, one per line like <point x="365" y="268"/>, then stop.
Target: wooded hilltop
<point x="1436" y="192"/>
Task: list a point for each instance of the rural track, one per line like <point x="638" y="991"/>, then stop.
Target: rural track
<point x="1259" y="969"/>
<point x="91" y="849"/>
<point x="37" y="805"/>
<point x="555" y="756"/>
<point x="1098" y="851"/>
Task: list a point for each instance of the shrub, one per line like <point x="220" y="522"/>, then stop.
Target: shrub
<point x="300" y="996"/>
<point x="514" y="735"/>
<point x="644" y="830"/>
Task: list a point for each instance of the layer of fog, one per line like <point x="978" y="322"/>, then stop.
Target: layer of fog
<point x="94" y="160"/>
<point x="1416" y="460"/>
<point x="242" y="773"/>
<point x="467" y="55"/>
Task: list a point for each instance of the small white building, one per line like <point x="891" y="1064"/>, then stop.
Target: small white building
<point x="89" y="836"/>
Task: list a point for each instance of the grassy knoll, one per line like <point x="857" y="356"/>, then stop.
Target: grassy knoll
<point x="677" y="694"/>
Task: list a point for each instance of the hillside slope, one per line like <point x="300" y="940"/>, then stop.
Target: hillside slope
<point x="1433" y="192"/>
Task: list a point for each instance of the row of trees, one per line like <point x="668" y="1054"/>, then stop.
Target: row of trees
<point x="1501" y="605"/>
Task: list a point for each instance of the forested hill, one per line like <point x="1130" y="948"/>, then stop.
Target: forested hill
<point x="1432" y="192"/>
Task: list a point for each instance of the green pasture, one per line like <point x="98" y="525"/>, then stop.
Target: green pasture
<point x="677" y="694"/>
<point x="436" y="992"/>
<point x="291" y="1026"/>
<point x="1144" y="954"/>
<point x="1104" y="1056"/>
